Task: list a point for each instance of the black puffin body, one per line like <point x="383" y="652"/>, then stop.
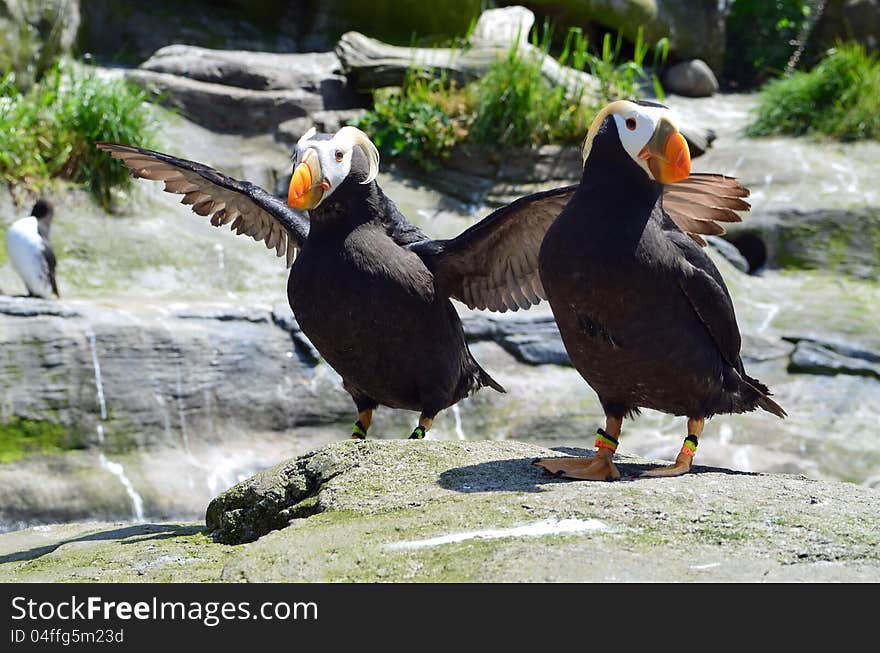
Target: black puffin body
<point x="370" y="306"/>
<point x="644" y="313"/>
<point x="369" y="289"/>
<point x="366" y="301"/>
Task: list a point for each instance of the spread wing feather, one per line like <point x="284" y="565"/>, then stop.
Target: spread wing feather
<point x="494" y="264"/>
<point x="251" y="210"/>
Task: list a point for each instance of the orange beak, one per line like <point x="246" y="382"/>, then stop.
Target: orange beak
<point x="667" y="154"/>
<point x="306" y="186"/>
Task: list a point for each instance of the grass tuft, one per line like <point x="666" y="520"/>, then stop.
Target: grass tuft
<point x="49" y="131"/>
<point x="839" y="98"/>
<point x="513" y="104"/>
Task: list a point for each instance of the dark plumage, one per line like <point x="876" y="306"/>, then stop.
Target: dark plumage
<point x="370" y="306"/>
<point x="365" y="300"/>
<point x="368" y="288"/>
<point x="643" y="312"/>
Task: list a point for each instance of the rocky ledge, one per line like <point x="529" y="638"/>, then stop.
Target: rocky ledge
<point x="481" y="512"/>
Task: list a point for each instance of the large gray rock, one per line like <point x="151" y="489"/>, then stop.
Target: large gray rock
<point x="191" y="367"/>
<point x="690" y="78"/>
<point x="817" y="357"/>
<point x="248" y="92"/>
<point x="838" y="240"/>
<point x="460" y="504"/>
<point x="318" y="72"/>
<point x="847" y="20"/>
<point x="695" y="28"/>
<point x="230" y="108"/>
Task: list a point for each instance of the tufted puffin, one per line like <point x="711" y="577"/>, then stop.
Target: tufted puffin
<point x="643" y="312"/>
<point x="29" y="250"/>
<point x="371" y="290"/>
<point x="367" y="303"/>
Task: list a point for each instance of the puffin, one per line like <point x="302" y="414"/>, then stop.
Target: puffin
<point x="371" y="290"/>
<point x="365" y="301"/>
<point x="644" y="314"/>
<point x="31" y="254"/>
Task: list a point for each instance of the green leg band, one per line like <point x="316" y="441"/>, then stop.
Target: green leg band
<point x="418" y="433"/>
<point x="358" y="431"/>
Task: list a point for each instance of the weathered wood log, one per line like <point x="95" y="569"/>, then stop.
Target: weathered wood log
<point x="370" y="64"/>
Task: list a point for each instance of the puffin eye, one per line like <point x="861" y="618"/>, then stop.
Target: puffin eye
<point x="338" y="154"/>
<point x="631" y="124"/>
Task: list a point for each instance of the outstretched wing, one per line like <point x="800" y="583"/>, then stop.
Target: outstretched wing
<point x="494" y="264"/>
<point x="251" y="210"/>
<point x="51" y="263"/>
<point x="701" y="201"/>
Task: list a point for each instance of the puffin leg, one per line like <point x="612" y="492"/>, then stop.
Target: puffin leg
<point x="686" y="456"/>
<point x="359" y="430"/>
<point x="422" y="429"/>
<point x="599" y="467"/>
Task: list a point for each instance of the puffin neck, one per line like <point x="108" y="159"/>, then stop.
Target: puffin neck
<point x="609" y="165"/>
<point x="351" y="205"/>
<point x="43" y="226"/>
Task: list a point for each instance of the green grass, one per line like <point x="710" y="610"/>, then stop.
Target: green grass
<point x="21" y="437"/>
<point x="839" y="98"/>
<point x="49" y="131"/>
<point x="512" y="104"/>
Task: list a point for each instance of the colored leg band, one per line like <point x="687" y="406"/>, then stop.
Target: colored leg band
<point x="689" y="448"/>
<point x="418" y="433"/>
<point x="605" y="440"/>
<point x="358" y="430"/>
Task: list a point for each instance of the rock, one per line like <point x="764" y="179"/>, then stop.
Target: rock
<point x="758" y="349"/>
<point x="250" y="92"/>
<point x="195" y="367"/>
<point x="531" y="339"/>
<point x="847" y="20"/>
<point x="317" y="72"/>
<point x="319" y="24"/>
<point x="838" y="240"/>
<point x="816" y="357"/>
<point x="479" y="174"/>
<point x="461" y="503"/>
<point x="229" y="108"/>
<point x="690" y="78"/>
<point x="695" y="29"/>
<point x="476" y="512"/>
<point x="33" y="307"/>
<point x="129" y="32"/>
<point x="504" y="26"/>
<point x="110" y="552"/>
<point x="730" y="252"/>
<point x="34" y="34"/>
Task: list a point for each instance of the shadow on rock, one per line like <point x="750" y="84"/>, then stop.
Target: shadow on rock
<point x="520" y="475"/>
<point x="131" y="534"/>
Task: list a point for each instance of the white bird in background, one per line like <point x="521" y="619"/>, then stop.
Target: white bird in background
<point x="28" y="248"/>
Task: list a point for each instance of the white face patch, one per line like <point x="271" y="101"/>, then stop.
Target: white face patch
<point x="335" y="155"/>
<point x="636" y="124"/>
